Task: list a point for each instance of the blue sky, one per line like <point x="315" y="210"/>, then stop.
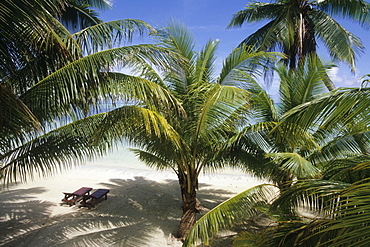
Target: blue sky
<point x="207" y="19"/>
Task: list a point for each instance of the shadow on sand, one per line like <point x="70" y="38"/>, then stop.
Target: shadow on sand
<point x="136" y="211"/>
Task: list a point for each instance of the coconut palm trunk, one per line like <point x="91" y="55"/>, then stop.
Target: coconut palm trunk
<point x="188" y="186"/>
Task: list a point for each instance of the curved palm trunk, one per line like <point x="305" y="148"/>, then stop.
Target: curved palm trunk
<point x="189" y="207"/>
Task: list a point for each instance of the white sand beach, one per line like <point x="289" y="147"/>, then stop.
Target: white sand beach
<point x="143" y="206"/>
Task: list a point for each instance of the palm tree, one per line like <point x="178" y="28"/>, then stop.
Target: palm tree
<point x="292" y="141"/>
<point x="339" y="205"/>
<point x="338" y="198"/>
<point x="77" y="15"/>
<point x="49" y="75"/>
<point x="295" y="26"/>
<point x="211" y="112"/>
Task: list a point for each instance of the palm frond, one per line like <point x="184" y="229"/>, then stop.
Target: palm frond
<point x="107" y="35"/>
<point x="177" y="38"/>
<point x="134" y="124"/>
<point x="51" y="152"/>
<point x="221" y="103"/>
<point x="339" y="107"/>
<point x="255" y="12"/>
<point x="15" y="117"/>
<point x="348" y="170"/>
<point x="26" y="55"/>
<point x="342" y="44"/>
<point x="154" y="160"/>
<point x="84" y="139"/>
<point x="295" y="164"/>
<point x="346" y="220"/>
<point x="356" y="10"/>
<point x="228" y="213"/>
<point x="302" y="84"/>
<point x="205" y="63"/>
<point x="79" y="15"/>
<point x="244" y="59"/>
<point x="139" y="91"/>
<point x="73" y="81"/>
<point x="310" y="195"/>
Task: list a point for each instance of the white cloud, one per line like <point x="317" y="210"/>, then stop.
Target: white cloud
<point x="342" y="78"/>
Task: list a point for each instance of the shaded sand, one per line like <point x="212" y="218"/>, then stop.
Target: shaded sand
<point x="143" y="206"/>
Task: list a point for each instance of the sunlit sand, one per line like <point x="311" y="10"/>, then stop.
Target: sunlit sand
<point x="143" y="206"/>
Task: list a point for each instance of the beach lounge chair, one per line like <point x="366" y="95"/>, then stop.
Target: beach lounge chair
<point x="95" y="197"/>
<point x="72" y="198"/>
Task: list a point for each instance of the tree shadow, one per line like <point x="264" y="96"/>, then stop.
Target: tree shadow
<point x="136" y="211"/>
<point x="21" y="212"/>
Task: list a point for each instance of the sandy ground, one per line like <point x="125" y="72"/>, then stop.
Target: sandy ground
<point x="143" y="206"/>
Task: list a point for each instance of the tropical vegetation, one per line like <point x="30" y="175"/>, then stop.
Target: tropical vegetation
<point x="297" y="27"/>
<point x="51" y="76"/>
<point x="211" y="111"/>
<point x="61" y="64"/>
<point x="313" y="148"/>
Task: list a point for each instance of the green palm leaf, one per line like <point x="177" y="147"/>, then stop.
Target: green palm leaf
<point x="72" y="81"/>
<point x="110" y="34"/>
<point x="342" y="44"/>
<point x="50" y="152"/>
<point x="81" y="140"/>
<point x="243" y="66"/>
<point x="295" y="164"/>
<point x="235" y="209"/>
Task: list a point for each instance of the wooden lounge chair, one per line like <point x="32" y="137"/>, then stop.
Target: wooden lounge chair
<point x="95" y="197"/>
<point x="72" y="198"/>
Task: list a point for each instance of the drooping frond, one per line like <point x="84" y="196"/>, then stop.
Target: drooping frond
<point x="311" y="195"/>
<point x="348" y="170"/>
<point x="107" y="35"/>
<point x="345" y="222"/>
<point x="357" y="10"/>
<point x="155" y="160"/>
<point x="342" y="44"/>
<point x="331" y="110"/>
<point x="50" y="152"/>
<point x="240" y="207"/>
<point x="82" y="79"/>
<point x="255" y="12"/>
<point x="26" y="55"/>
<point x="139" y="91"/>
<point x="77" y="15"/>
<point x="295" y="164"/>
<point x="15" y="117"/>
<point x="134" y="124"/>
<point x="84" y="139"/>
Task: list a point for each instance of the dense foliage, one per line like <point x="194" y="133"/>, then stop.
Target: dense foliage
<point x="50" y="77"/>
<point x="314" y="149"/>
<point x="60" y="64"/>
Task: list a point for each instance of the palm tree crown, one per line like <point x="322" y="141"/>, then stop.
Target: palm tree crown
<point x="211" y="109"/>
<point x="294" y="27"/>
